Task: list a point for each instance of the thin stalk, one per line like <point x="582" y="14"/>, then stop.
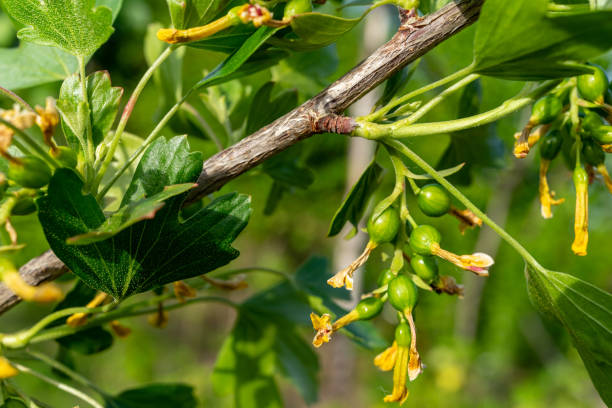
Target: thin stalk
<point x="89" y="131"/>
<point x="380" y="113"/>
<point x="68" y="371"/>
<point x="375" y="131"/>
<point x="233" y="272"/>
<point x="416" y="159"/>
<point x="120" y="313"/>
<point x="16" y="98"/>
<point x="435" y="101"/>
<point x="59" y="385"/>
<point x="147" y="142"/>
<point x="31" y="143"/>
<point x="127" y="112"/>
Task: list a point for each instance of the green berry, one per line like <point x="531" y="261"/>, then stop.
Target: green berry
<point x="546" y="110"/>
<point x="66" y="156"/>
<point x="385" y="277"/>
<point x="592" y="153"/>
<point x="24" y="206"/>
<point x="403" y="337"/>
<point x="423" y="237"/>
<point x="403" y="293"/>
<point x="603" y="134"/>
<point x="580" y="177"/>
<point x="551" y="145"/>
<point x="294" y="7"/>
<point x="591" y="121"/>
<point x="593" y="87"/>
<point x="31" y="172"/>
<point x="385" y="227"/>
<point x="433" y="200"/>
<point x="369" y="308"/>
<point x="425" y="267"/>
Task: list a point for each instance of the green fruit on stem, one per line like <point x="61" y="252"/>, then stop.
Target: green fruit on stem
<point x="580" y="177"/>
<point x="295" y="7"/>
<point x="425" y="267"/>
<point x="30" y="172"/>
<point x="66" y="156"/>
<point x="403" y="293"/>
<point x="423" y="237"/>
<point x="591" y="121"/>
<point x="551" y="145"/>
<point x="433" y="200"/>
<point x="385" y="277"/>
<point x="24" y="206"/>
<point x="593" y="87"/>
<point x="385" y="227"/>
<point x="369" y="308"/>
<point x="592" y="153"/>
<point x="403" y="337"/>
<point x="603" y="134"/>
<point x="546" y="110"/>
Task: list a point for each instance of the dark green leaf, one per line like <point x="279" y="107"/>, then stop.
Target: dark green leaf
<point x="396" y="83"/>
<point x="230" y="67"/>
<point x="150" y="253"/>
<point x="274" y="197"/>
<point x="288" y="170"/>
<point x="299" y="362"/>
<point x="155" y="395"/>
<point x="226" y="41"/>
<point x="265" y="109"/>
<point x="191" y="13"/>
<point x="542" y="45"/>
<point x="75" y="26"/>
<point x="354" y="205"/>
<point x="586" y="313"/>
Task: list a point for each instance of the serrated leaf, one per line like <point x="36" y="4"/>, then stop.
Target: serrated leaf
<point x="354" y="205"/>
<point x="76" y="26"/>
<point x="543" y="46"/>
<point x="586" y="313"/>
<point x="150" y="253"/>
<point x="155" y="395"/>
<point x="315" y="30"/>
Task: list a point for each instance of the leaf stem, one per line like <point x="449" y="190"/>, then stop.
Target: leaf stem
<point x="16" y="98"/>
<point x="375" y="131"/>
<point x="416" y="159"/>
<point x="59" y="385"/>
<point x="89" y="131"/>
<point x="127" y="112"/>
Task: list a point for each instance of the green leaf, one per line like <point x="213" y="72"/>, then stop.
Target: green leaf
<point x="30" y="65"/>
<point x="153" y="252"/>
<point x="586" y="313"/>
<point x="230" y="67"/>
<point x="354" y="205"/>
<point x="75" y="26"/>
<point x="190" y="13"/>
<point x="265" y="108"/>
<point x="299" y="362"/>
<point x="315" y="30"/>
<point x="543" y="45"/>
<point x="155" y="395"/>
<point x="226" y="41"/>
<point x="100" y="109"/>
<point x="130" y="214"/>
<point x="114" y="5"/>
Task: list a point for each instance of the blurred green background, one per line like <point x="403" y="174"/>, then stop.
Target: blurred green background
<point x="490" y="349"/>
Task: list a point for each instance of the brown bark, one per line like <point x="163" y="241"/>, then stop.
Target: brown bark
<point x="408" y="44"/>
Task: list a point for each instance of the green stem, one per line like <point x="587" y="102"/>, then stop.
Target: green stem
<point x="233" y="272"/>
<point x="439" y="98"/>
<point x="147" y="142"/>
<point x="128" y="311"/>
<point x="380" y="113"/>
<point x="22" y="338"/>
<point x="31" y="143"/>
<point x="375" y="131"/>
<point x="68" y="371"/>
<point x="127" y="112"/>
<point x="59" y="385"/>
<point x="16" y="98"/>
<point x="416" y="159"/>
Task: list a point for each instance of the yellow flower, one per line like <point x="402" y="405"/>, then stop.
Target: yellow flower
<point x="79" y="319"/>
<point x="400" y="391"/>
<point x="603" y="171"/>
<point x="386" y="360"/>
<point x="478" y="262"/>
<point x="345" y="276"/>
<point x="322" y="324"/>
<point x="120" y="330"/>
<point x="47" y="120"/>
<point x="467" y="219"/>
<point x="6" y="369"/>
<point x="45" y="293"/>
<point x="183" y="291"/>
<point x="547" y="199"/>
<point x="581" y="217"/>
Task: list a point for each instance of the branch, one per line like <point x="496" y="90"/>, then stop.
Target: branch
<point x="408" y="44"/>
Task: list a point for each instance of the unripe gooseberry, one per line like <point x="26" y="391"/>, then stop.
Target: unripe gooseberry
<point x="385" y="227"/>
<point x="423" y="237"/>
<point x="593" y="87"/>
<point x="385" y="277"/>
<point x="403" y="293"/>
<point x="425" y="267"/>
<point x="403" y="337"/>
<point x="550" y="145"/>
<point x="603" y="134"/>
<point x="24" y="206"/>
<point x="369" y="308"/>
<point x="294" y="7"/>
<point x="593" y="153"/>
<point x="30" y="172"/>
<point x="546" y="110"/>
<point x="433" y="200"/>
<point x="590" y="121"/>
